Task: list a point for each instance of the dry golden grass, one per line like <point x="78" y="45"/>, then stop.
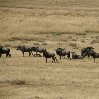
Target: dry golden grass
<point x="72" y="24"/>
<point x="30" y="77"/>
<point x="22" y="24"/>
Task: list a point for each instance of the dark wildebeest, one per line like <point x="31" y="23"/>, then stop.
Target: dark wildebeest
<point x="47" y="55"/>
<point x="62" y="52"/>
<point x="75" y="56"/>
<point x="86" y="51"/>
<point x="38" y="49"/>
<point x="26" y="49"/>
<point x="94" y="55"/>
<point x="4" y="50"/>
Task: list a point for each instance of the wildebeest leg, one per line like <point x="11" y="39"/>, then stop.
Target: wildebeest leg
<point x="46" y="59"/>
<point x="94" y="59"/>
<point x="0" y="55"/>
<point x="23" y="54"/>
<point x="53" y="58"/>
<point x="82" y="58"/>
<point x="60" y="56"/>
<point x="29" y="53"/>
<point x="68" y="55"/>
<point x="7" y="54"/>
<point x="88" y="56"/>
<point x="36" y="52"/>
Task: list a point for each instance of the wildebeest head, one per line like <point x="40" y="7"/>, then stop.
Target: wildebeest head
<point x="91" y="48"/>
<point x="18" y="48"/>
<point x="44" y="52"/>
<point x="62" y="52"/>
<point x="33" y="48"/>
<point x="86" y="51"/>
<point x="59" y="50"/>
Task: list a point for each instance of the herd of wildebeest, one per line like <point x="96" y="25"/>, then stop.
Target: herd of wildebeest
<point x="61" y="52"/>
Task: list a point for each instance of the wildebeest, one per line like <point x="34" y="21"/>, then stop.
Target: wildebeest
<point x="62" y="52"/>
<point x="38" y="49"/>
<point x="26" y="49"/>
<point x="47" y="55"/>
<point x="75" y="56"/>
<point x="94" y="55"/>
<point x="4" y="50"/>
<point x="86" y="51"/>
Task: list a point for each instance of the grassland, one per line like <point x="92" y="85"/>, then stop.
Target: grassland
<point x="72" y="24"/>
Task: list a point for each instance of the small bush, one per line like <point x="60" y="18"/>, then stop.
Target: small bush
<point x="81" y="34"/>
<point x="7" y="45"/>
<point x="83" y="41"/>
<point x="73" y="39"/>
<point x="56" y="33"/>
<point x="74" y="45"/>
<point x="95" y="41"/>
<point x="15" y="39"/>
<point x="24" y="37"/>
<point x="92" y="31"/>
<point x="41" y="40"/>
<point x="36" y="44"/>
<point x="70" y="37"/>
<point x="17" y="82"/>
<point x="44" y="43"/>
<point x="64" y="40"/>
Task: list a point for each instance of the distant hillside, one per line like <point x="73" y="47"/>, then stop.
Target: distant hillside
<point x="64" y="3"/>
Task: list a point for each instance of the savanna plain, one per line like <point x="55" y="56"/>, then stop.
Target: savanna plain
<point x="71" y="24"/>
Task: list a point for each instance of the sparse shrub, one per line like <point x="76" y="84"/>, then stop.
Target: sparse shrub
<point x="44" y="43"/>
<point x="56" y="33"/>
<point x="15" y="39"/>
<point x="95" y="41"/>
<point x="60" y="43"/>
<point x="73" y="39"/>
<point x="16" y="82"/>
<point x="92" y="31"/>
<point x="87" y="31"/>
<point x="74" y="45"/>
<point x="69" y="37"/>
<point x="36" y="44"/>
<point x="81" y="34"/>
<point x="22" y="37"/>
<point x="48" y="36"/>
<point x="41" y="40"/>
<point x="7" y="45"/>
<point x="37" y="97"/>
<point x="92" y="37"/>
<point x="83" y="41"/>
<point x="64" y="40"/>
<point x="97" y="37"/>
